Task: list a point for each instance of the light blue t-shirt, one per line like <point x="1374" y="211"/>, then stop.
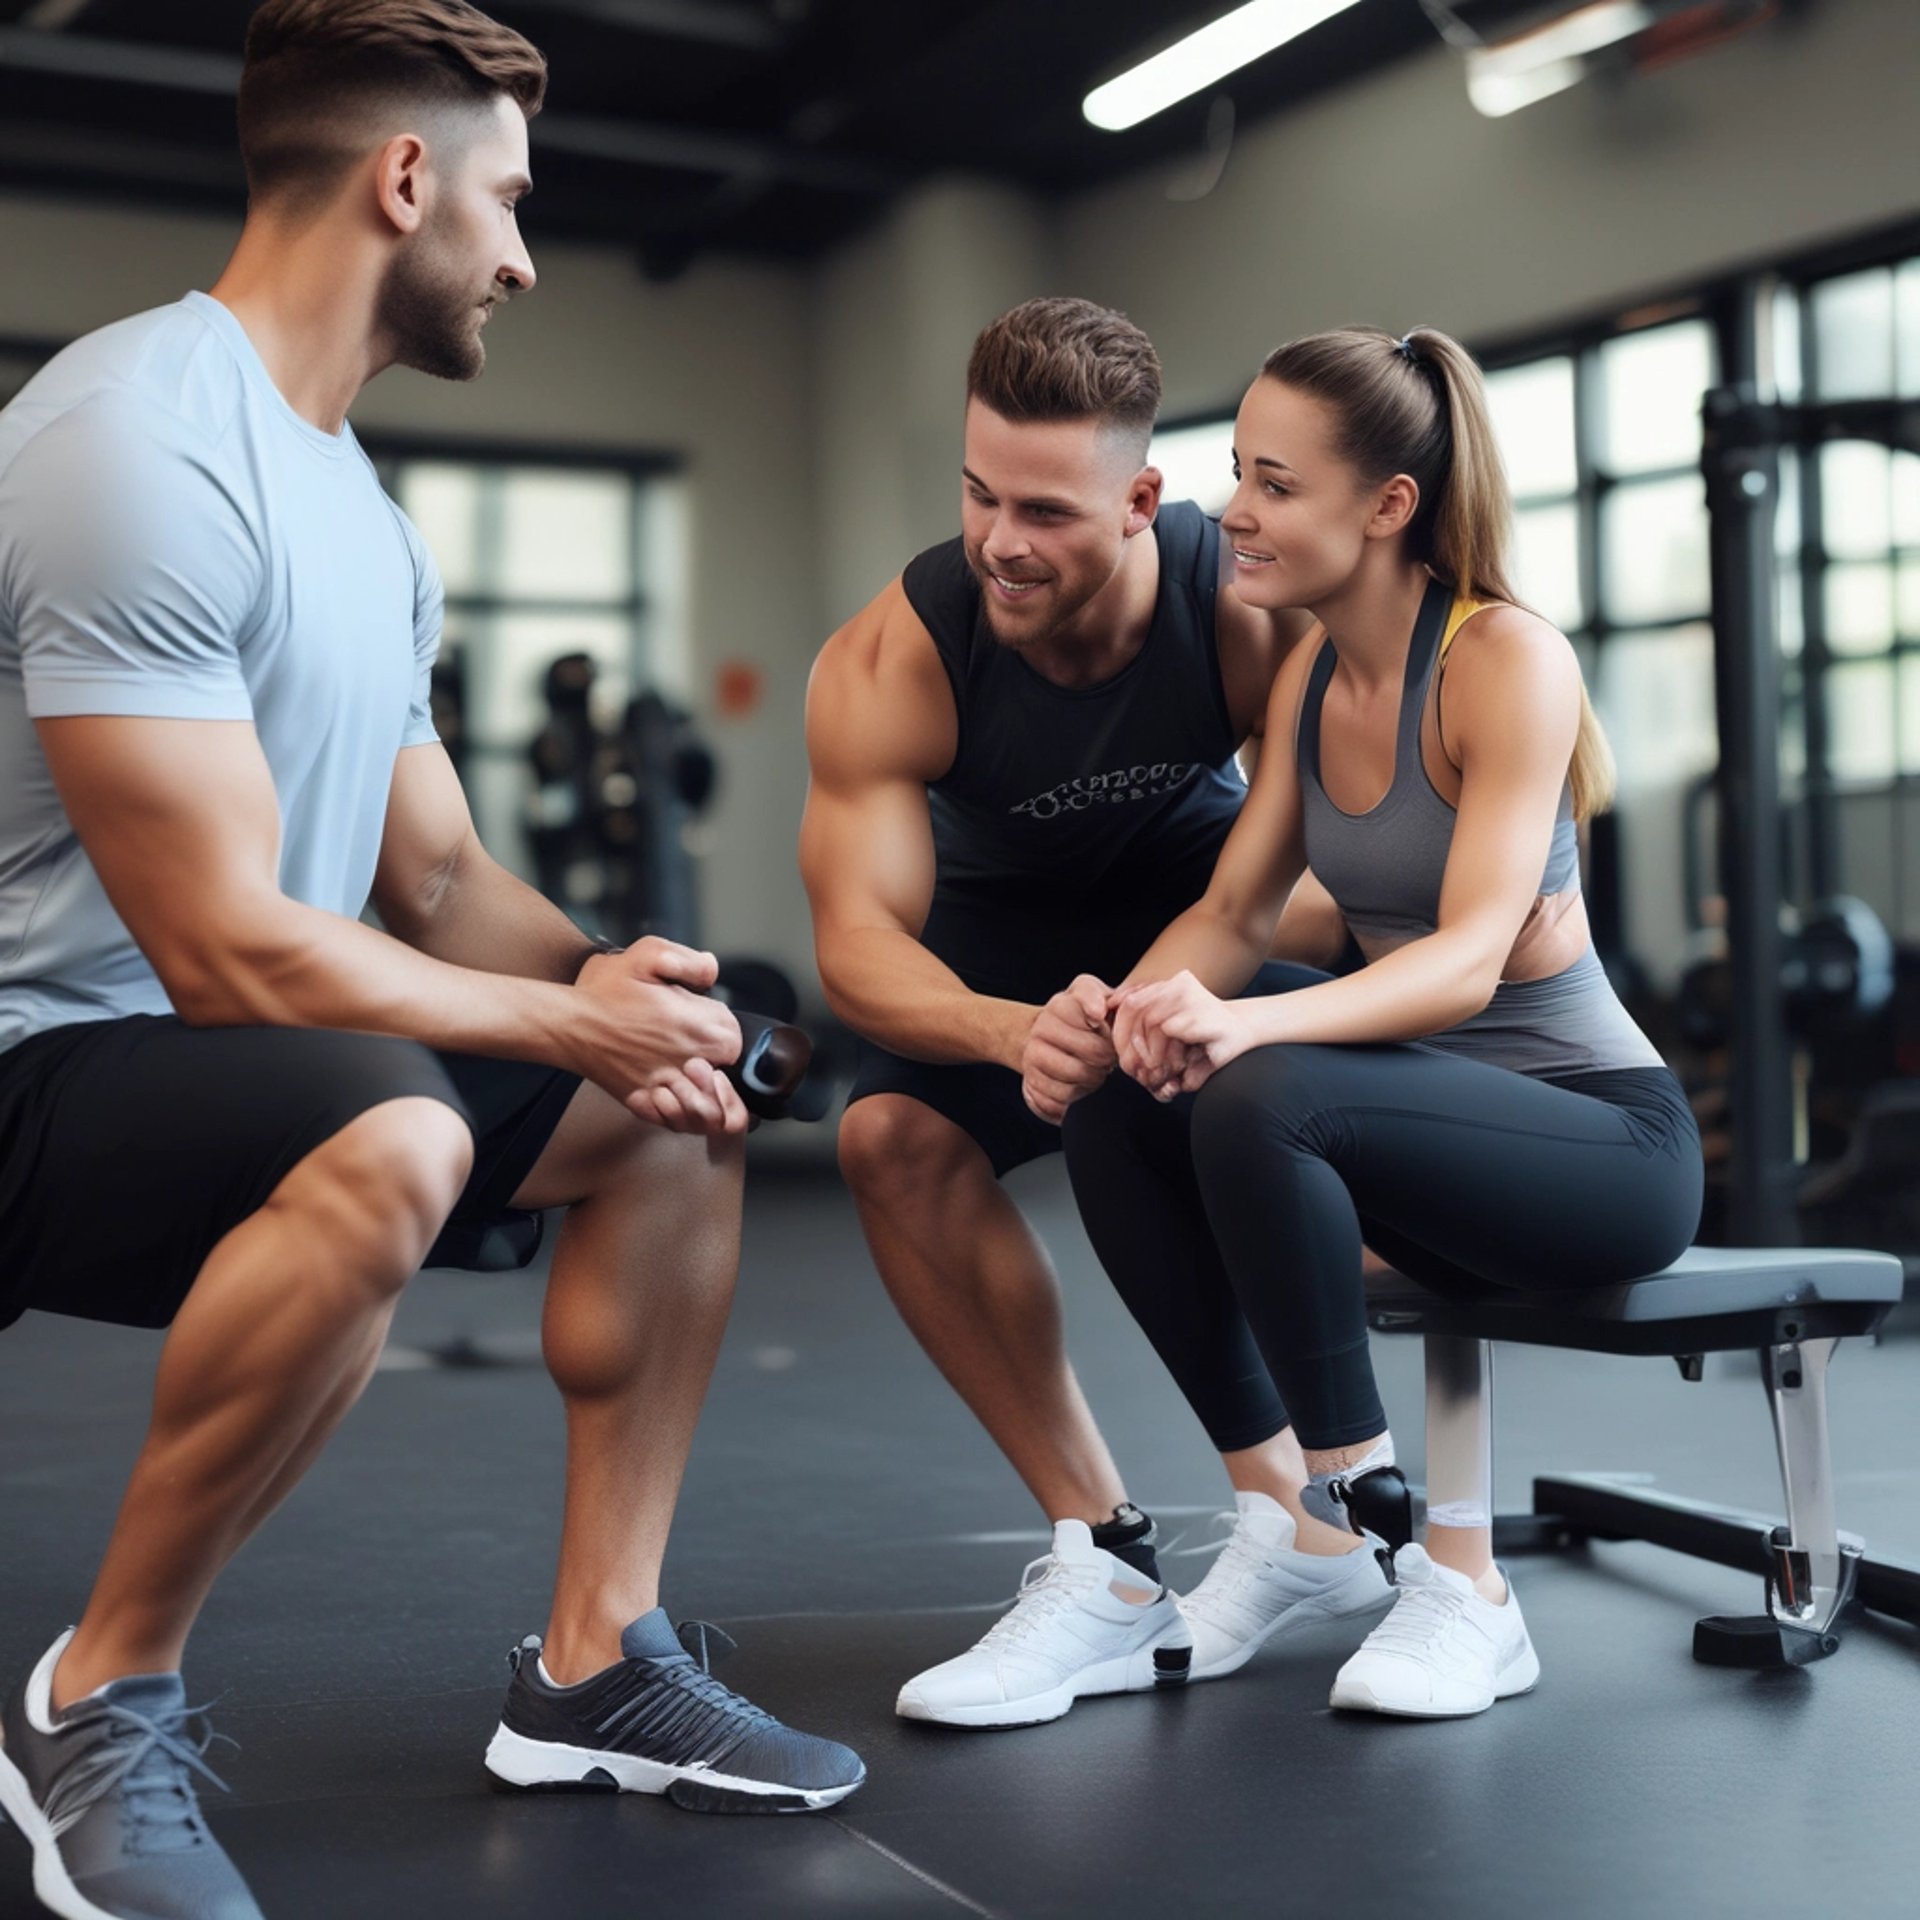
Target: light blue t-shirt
<point x="176" y="542"/>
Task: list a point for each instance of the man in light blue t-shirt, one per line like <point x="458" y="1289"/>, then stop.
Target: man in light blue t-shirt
<point x="227" y="1105"/>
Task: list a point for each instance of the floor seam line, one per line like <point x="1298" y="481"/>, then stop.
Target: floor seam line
<point x="905" y="1865"/>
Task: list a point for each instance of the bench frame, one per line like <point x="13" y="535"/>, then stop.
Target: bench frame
<point x="1814" y="1573"/>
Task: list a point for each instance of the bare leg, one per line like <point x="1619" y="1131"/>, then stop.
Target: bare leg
<point x="642" y="1283"/>
<point x="269" y="1349"/>
<point x="977" y="1290"/>
<point x="1467" y="1550"/>
<point x="1278" y="1469"/>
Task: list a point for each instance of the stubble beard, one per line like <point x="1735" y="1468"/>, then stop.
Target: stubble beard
<point x="429" y="310"/>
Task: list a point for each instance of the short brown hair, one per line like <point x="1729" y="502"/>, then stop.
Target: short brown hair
<point x="314" y="67"/>
<point x="1062" y="359"/>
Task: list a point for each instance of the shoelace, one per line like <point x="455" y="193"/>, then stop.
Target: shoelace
<point x="1239" y="1559"/>
<point x="1047" y="1587"/>
<point x="1422" y="1617"/>
<point x="154" y="1757"/>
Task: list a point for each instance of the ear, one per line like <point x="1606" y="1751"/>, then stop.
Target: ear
<point x="400" y="182"/>
<point x="1143" y="500"/>
<point x="1394" y="506"/>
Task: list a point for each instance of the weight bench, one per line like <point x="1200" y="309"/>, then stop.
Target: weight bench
<point x="1793" y="1306"/>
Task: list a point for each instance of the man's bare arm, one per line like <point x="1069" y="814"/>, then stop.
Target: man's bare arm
<point x="440" y="891"/>
<point x="880" y="726"/>
<point x="181" y="822"/>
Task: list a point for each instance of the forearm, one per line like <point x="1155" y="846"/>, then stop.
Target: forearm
<point x="1220" y="953"/>
<point x="491" y="921"/>
<point x="1422" y="988"/>
<point x="292" y="965"/>
<point x="884" y="984"/>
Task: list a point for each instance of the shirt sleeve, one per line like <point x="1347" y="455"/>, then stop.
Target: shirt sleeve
<point x="128" y="569"/>
<point x="429" y="608"/>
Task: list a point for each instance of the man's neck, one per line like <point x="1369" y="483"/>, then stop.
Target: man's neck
<point x="1111" y="628"/>
<point x="309" y="316"/>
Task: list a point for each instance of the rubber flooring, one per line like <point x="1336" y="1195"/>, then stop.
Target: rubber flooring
<point x="848" y="1524"/>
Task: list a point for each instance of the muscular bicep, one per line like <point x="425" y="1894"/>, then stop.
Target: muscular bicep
<point x="182" y="824"/>
<point x="428" y="831"/>
<point x="880" y="726"/>
<point x="866" y="855"/>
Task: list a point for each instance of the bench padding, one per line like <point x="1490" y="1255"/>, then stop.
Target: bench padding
<point x="1711" y="1300"/>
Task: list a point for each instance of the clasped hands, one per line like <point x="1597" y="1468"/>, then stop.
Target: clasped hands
<point x="1170" y="1035"/>
<point x="656" y="1041"/>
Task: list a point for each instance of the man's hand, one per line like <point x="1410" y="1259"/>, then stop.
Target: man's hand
<point x="667" y="963"/>
<point x="1069" y="1049"/>
<point x="1173" y="1035"/>
<point x="655" y="1042"/>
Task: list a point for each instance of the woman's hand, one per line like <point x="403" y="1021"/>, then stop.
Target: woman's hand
<point x="1173" y="1036"/>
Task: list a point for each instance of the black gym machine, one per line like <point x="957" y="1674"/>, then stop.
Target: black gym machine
<point x="1778" y="984"/>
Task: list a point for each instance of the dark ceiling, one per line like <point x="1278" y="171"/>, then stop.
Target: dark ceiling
<point x="768" y="127"/>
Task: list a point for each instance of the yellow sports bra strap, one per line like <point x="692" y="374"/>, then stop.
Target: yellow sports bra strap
<point x="1463" y="611"/>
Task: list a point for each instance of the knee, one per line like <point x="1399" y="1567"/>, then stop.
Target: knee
<point x="1265" y="1099"/>
<point x="377" y="1193"/>
<point x="892" y="1148"/>
<point x="1113" y="1114"/>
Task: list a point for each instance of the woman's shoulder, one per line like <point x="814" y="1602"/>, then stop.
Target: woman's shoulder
<point x="1502" y="652"/>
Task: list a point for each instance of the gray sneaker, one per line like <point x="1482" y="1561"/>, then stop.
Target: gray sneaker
<point x="104" y="1791"/>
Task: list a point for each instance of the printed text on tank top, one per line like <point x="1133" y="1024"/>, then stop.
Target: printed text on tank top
<point x="1555" y="933"/>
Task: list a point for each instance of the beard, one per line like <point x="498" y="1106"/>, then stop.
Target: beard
<point x="1064" y="598"/>
<point x="429" y="310"/>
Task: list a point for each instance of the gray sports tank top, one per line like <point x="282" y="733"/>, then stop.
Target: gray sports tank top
<point x="1385" y="868"/>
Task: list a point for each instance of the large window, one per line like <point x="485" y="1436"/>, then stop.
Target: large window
<point x="539" y="561"/>
<point x="1850" y="554"/>
<point x="1602" y="444"/>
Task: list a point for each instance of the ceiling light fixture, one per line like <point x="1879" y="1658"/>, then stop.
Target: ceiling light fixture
<point x="1204" y="56"/>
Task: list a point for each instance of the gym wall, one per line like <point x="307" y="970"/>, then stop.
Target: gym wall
<point x="818" y="410"/>
<point x="715" y="367"/>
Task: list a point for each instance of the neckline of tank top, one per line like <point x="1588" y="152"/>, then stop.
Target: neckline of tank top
<point x="1098" y="688"/>
<point x="1396" y="787"/>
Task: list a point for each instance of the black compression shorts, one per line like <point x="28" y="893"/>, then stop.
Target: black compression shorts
<point x="129" y="1148"/>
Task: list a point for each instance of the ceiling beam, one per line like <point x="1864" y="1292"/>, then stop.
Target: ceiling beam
<point x="119" y="157"/>
<point x="52" y="16"/>
<point x="179" y="69"/>
<point x="718" y="23"/>
<point x="641" y="143"/>
<point x="629" y="142"/>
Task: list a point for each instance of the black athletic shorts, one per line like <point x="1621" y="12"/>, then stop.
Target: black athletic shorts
<point x="129" y="1148"/>
<point x="1028" y="956"/>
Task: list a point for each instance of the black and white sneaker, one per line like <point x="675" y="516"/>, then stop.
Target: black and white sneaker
<point x="104" y="1791"/>
<point x="659" y="1722"/>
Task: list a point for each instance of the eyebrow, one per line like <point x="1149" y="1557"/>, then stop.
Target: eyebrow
<point x="518" y="185"/>
<point x="1043" y="500"/>
<point x="1279" y="466"/>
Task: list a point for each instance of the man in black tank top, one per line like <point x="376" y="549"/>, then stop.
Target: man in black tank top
<point x="1023" y="765"/>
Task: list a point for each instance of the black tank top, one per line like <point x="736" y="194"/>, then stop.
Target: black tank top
<point x="1110" y="800"/>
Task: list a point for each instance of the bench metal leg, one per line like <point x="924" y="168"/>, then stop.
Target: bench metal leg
<point x="1812" y="1571"/>
<point x="1459" y="1431"/>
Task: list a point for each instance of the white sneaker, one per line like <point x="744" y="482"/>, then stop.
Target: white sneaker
<point x="1262" y="1586"/>
<point x="1084" y="1622"/>
<point x="1442" y="1651"/>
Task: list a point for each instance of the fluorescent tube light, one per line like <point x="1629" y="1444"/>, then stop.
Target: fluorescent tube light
<point x="1204" y="56"/>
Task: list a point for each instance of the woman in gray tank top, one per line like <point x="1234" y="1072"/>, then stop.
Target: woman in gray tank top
<point x="1473" y="1103"/>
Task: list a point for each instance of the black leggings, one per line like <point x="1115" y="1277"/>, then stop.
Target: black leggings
<point x="1231" y="1220"/>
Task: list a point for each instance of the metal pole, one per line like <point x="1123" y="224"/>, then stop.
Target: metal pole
<point x="1741" y="465"/>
